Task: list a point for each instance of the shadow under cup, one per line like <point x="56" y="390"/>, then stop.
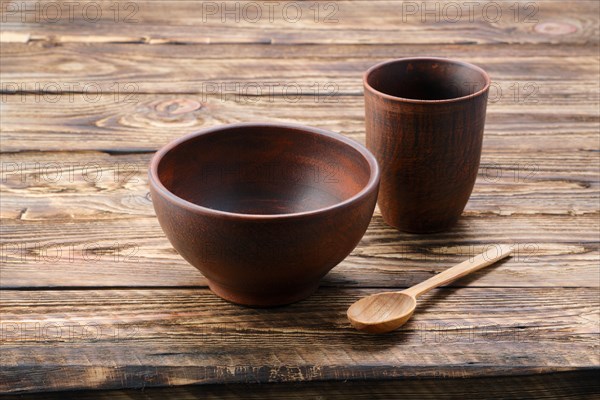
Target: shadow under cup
<point x="424" y="122"/>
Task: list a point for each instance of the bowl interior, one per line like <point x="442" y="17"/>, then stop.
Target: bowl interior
<point x="427" y="79"/>
<point x="264" y="170"/>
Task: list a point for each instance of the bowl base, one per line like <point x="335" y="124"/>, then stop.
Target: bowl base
<point x="262" y="299"/>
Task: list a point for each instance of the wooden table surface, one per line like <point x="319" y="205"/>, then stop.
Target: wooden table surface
<point x="95" y="298"/>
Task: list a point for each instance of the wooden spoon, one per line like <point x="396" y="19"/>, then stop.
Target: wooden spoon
<point x="384" y="312"/>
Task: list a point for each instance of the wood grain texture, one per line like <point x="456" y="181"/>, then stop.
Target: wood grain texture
<point x="94" y="297"/>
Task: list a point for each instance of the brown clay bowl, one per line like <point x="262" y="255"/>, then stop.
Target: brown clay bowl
<point x="264" y="211"/>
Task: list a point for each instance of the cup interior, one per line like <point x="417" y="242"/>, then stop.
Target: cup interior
<point x="427" y="79"/>
<point x="264" y="170"/>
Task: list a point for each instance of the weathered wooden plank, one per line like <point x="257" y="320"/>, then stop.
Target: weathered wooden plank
<point x="97" y="185"/>
<point x="169" y="21"/>
<point x="120" y="121"/>
<point x="135" y="252"/>
<point x="185" y="69"/>
<point x="564" y="385"/>
<point x="174" y="337"/>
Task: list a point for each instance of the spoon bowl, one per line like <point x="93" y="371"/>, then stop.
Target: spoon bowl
<point x="382" y="312"/>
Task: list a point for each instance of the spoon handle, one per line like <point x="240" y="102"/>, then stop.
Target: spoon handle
<point x="492" y="255"/>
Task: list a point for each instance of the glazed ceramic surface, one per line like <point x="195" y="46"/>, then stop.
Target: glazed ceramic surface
<point x="264" y="211"/>
<point x="424" y="123"/>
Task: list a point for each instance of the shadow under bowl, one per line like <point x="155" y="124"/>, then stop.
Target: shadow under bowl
<point x="264" y="211"/>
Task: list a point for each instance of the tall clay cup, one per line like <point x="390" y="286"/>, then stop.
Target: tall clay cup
<point x="424" y="123"/>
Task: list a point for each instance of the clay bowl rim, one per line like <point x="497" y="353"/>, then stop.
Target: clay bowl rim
<point x="371" y="185"/>
<point x="465" y="64"/>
